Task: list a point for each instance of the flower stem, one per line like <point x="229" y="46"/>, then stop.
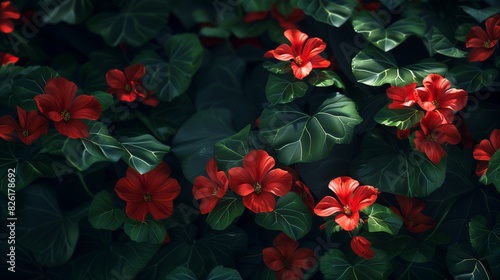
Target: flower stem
<point x="82" y="181"/>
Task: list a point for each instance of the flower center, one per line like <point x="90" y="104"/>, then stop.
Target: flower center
<point x="303" y="195"/>
<point x="65" y="114"/>
<point x="257" y="187"/>
<point x="435" y="103"/>
<point x="147" y="197"/>
<point x="287" y="264"/>
<point x="432" y="137"/>
<point x="215" y="191"/>
<point x="128" y="88"/>
<point x="298" y="60"/>
<point x="347" y="210"/>
<point x="26" y="133"/>
<point x="487" y="44"/>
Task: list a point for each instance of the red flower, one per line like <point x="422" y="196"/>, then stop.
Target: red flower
<point x="128" y="85"/>
<point x="411" y="214"/>
<point x="150" y="99"/>
<point x="6" y="128"/>
<point x="403" y="134"/>
<point x="288" y="21"/>
<point x="210" y="189"/>
<point x="482" y="44"/>
<point x="152" y="192"/>
<point x="255" y="16"/>
<point x="370" y="6"/>
<point x="60" y="105"/>
<point x="304" y="53"/>
<point x="257" y="183"/>
<point x="287" y="259"/>
<point x="435" y="132"/>
<point x="301" y="189"/>
<point x="362" y="247"/>
<point x="351" y="199"/>
<point x="7" y="58"/>
<point x="436" y="94"/>
<point x="402" y="96"/>
<point x="485" y="150"/>
<point x="31" y="126"/>
<point x="7" y="13"/>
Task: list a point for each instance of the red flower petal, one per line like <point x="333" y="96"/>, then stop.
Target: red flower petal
<point x="7" y="58"/>
<point x="258" y="163"/>
<point x="476" y="38"/>
<point x="348" y="223"/>
<point x="240" y="181"/>
<point x="328" y="206"/>
<point x="260" y="203"/>
<point x="63" y="92"/>
<point x="135" y="72"/>
<point x="85" y="107"/>
<point x="362" y="247"/>
<point x="479" y="54"/>
<point x="136" y="210"/>
<point x="116" y="79"/>
<point x="273" y="259"/>
<point x="285" y="245"/>
<point x="363" y="196"/>
<point x="73" y="128"/>
<point x="343" y="187"/>
<point x="301" y="72"/>
<point x="297" y="39"/>
<point x="160" y="210"/>
<point x="277" y="181"/>
<point x="47" y="104"/>
<point x="303" y="258"/>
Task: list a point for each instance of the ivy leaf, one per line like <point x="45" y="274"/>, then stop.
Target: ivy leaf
<point x="481" y="14"/>
<point x="148" y="231"/>
<point x="493" y="173"/>
<point x="137" y="22"/>
<point x="143" y="153"/>
<point x="326" y="78"/>
<point x="332" y="13"/>
<point x="32" y="84"/>
<point x="335" y="265"/>
<point x="223" y="273"/>
<point x="462" y="264"/>
<point x="103" y="214"/>
<point x="41" y="225"/>
<point x="229" y="152"/>
<point x="483" y="239"/>
<point x="381" y="218"/>
<point x="72" y="12"/>
<point x="403" y="118"/>
<point x="471" y="77"/>
<point x="280" y="90"/>
<point x="224" y="213"/>
<point x="299" y="137"/>
<point x="409" y="173"/>
<point x="442" y="45"/>
<point x="181" y="273"/>
<point x="386" y="38"/>
<point x="373" y="67"/>
<point x="290" y="216"/>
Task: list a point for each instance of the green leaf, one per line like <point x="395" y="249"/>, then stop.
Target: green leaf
<point x="98" y="147"/>
<point x="148" y="231"/>
<point x="462" y="264"/>
<point x="48" y="233"/>
<point x="404" y="118"/>
<point x="201" y="255"/>
<point x="143" y="153"/>
<point x="481" y="14"/>
<point x="280" y="67"/>
<point x="103" y="214"/>
<point x="471" y="77"/>
<point x="223" y="273"/>
<point x="417" y="251"/>
<point x="229" y="152"/>
<point x="72" y="11"/>
<point x="26" y="88"/>
<point x="333" y="13"/>
<point x="409" y="173"/>
<point x="104" y="98"/>
<point x="326" y="78"/>
<point x="299" y="137"/>
<point x="290" y="216"/>
<point x="168" y="117"/>
<point x="184" y="52"/>
<point x="381" y="218"/>
<point x="195" y="149"/>
<point x="374" y="67"/>
<point x="386" y="38"/>
<point x="493" y="173"/>
<point x="137" y="22"/>
<point x="280" y="90"/>
<point x="483" y="239"/>
<point x="462" y="31"/>
<point x="442" y="45"/>
<point x="257" y="5"/>
<point x="335" y="265"/>
<point x="181" y="273"/>
<point x="224" y="213"/>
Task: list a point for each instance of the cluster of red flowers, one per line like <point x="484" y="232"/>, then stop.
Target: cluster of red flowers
<point x="411" y="214"/>
<point x="440" y="101"/>
<point x="57" y="104"/>
<point x="128" y="85"/>
<point x="482" y="43"/>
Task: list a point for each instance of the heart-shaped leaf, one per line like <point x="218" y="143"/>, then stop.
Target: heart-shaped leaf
<point x="148" y="231"/>
<point x="334" y="264"/>
<point x="280" y="90"/>
<point x="334" y="13"/>
<point x="381" y="218"/>
<point x="73" y="12"/>
<point x="230" y="151"/>
<point x="224" y="213"/>
<point x="462" y="264"/>
<point x="404" y="118"/>
<point x="143" y="153"/>
<point x="103" y="214"/>
<point x="471" y="77"/>
<point x="483" y="239"/>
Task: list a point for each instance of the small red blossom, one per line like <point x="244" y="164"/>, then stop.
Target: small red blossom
<point x="7" y="14"/>
<point x="257" y="182"/>
<point x="31" y="126"/>
<point x="411" y="214"/>
<point x="60" y="105"/>
<point x="303" y="53"/>
<point x="286" y="259"/>
<point x="7" y="58"/>
<point x="301" y="189"/>
<point x="435" y="132"/>
<point x="437" y="94"/>
<point x="482" y="44"/>
<point x="210" y="189"/>
<point x="127" y="84"/>
<point x="402" y="96"/>
<point x="255" y="16"/>
<point x="150" y="99"/>
<point x="152" y="192"/>
<point x="485" y="150"/>
<point x="351" y="199"/>
<point x="362" y="247"/>
<point x="288" y="21"/>
<point x="402" y="134"/>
